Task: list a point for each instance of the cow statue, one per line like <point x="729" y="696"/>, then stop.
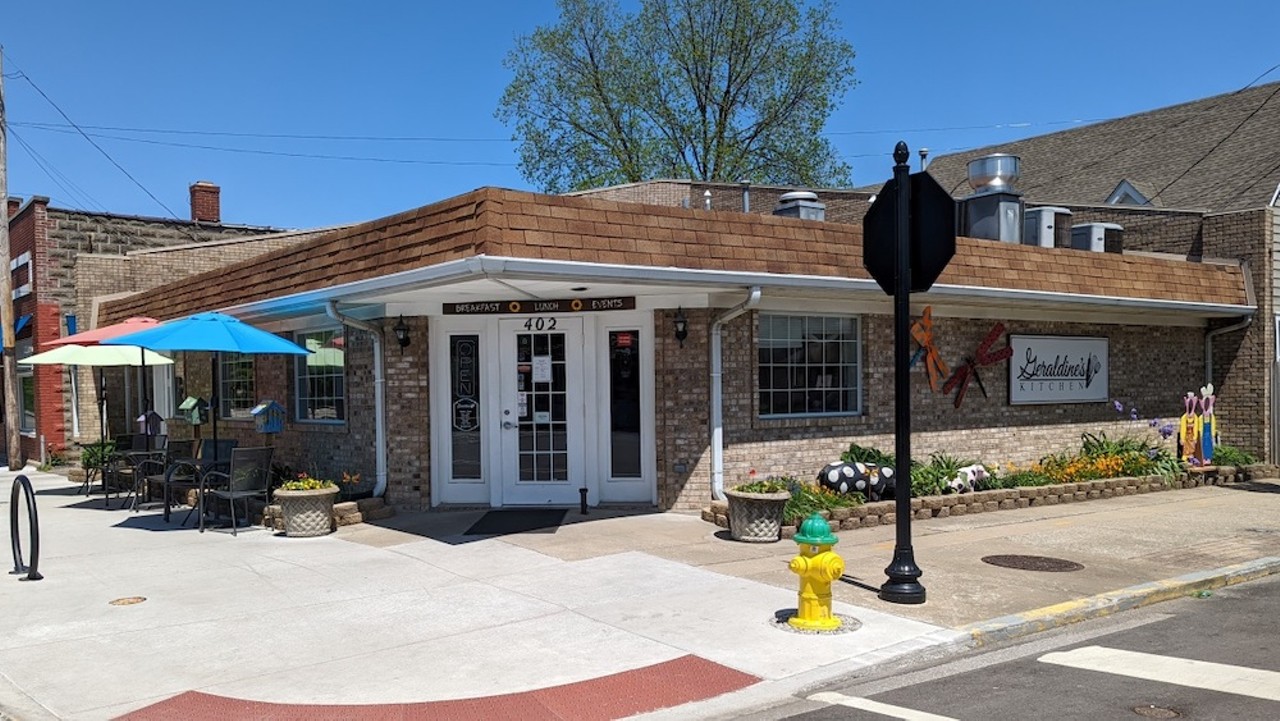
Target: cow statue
<point x="967" y="478"/>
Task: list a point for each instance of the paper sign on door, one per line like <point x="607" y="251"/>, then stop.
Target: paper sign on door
<point x="522" y="405"/>
<point x="542" y="369"/>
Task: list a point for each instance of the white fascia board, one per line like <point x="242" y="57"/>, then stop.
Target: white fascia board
<point x="503" y="267"/>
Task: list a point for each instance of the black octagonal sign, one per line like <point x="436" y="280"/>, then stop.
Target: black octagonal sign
<point x="933" y="233"/>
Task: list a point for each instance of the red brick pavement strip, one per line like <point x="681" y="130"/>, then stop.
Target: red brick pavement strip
<point x="671" y="683"/>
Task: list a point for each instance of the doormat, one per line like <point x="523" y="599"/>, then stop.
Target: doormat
<point x="524" y="520"/>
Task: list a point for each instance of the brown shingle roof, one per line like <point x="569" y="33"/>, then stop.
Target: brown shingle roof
<point x="498" y="222"/>
<point x="1219" y="153"/>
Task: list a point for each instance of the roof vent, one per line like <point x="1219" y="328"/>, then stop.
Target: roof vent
<point x="1098" y="237"/>
<point x="801" y="204"/>
<point x="994" y="173"/>
<point x="994" y="211"/>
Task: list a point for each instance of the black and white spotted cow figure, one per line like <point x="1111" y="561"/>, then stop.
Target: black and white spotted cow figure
<point x="840" y="476"/>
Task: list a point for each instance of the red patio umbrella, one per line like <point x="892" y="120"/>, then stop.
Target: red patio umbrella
<point x="97" y="335"/>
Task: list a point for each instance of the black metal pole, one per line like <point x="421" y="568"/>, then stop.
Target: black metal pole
<point x="903" y="585"/>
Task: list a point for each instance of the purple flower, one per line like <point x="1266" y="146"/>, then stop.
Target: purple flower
<point x="1195" y="461"/>
<point x="1119" y="406"/>
<point x="1166" y="431"/>
<point x="1153" y="422"/>
<point x="1133" y="414"/>
<point x="1152" y="453"/>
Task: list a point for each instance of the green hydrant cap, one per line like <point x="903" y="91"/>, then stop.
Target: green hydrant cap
<point x="815" y="531"/>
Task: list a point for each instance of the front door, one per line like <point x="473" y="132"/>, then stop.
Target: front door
<point x="541" y="410"/>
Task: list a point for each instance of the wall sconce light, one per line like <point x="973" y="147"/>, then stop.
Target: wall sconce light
<point x="402" y="333"/>
<point x="682" y="326"/>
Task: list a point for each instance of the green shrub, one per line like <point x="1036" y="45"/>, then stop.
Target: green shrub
<point x="1232" y="456"/>
<point x="864" y="455"/>
<point x="808" y="498"/>
<point x="768" y="485"/>
<point x="95" y="453"/>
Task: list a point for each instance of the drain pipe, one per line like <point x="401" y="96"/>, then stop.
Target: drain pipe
<point x="1208" y="337"/>
<point x="379" y="395"/>
<point x="717" y="405"/>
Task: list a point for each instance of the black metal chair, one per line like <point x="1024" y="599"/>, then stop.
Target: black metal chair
<point x="185" y="472"/>
<point x="126" y="466"/>
<point x="248" y="477"/>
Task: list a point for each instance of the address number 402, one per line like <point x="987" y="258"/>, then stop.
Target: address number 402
<point x="540" y="324"/>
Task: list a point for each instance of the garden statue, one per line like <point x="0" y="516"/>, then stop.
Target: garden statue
<point x="967" y="478"/>
<point x="1208" y="424"/>
<point x="817" y="566"/>
<point x="838" y="477"/>
<point x="870" y="480"/>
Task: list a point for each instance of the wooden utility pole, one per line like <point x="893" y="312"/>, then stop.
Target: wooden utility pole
<point x="12" y="414"/>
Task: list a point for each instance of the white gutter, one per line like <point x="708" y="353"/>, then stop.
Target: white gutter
<point x="717" y="405"/>
<point x="1208" y="337"/>
<point x="379" y="395"/>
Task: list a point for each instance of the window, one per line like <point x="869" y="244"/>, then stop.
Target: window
<point x="320" y="377"/>
<point x="26" y="388"/>
<point x="809" y="365"/>
<point x="235" y="386"/>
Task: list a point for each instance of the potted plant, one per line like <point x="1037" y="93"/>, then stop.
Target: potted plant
<point x="306" y="504"/>
<point x="756" y="510"/>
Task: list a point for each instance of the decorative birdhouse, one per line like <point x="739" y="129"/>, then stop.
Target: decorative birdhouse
<point x="268" y="417"/>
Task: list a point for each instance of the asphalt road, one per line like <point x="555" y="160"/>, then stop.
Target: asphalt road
<point x="1215" y="657"/>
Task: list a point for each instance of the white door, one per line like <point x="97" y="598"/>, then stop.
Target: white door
<point x="541" y="410"/>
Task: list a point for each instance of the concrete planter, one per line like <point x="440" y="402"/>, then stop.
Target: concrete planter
<point x="307" y="513"/>
<point x="756" y="517"/>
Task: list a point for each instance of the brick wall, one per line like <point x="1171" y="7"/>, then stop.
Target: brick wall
<point x="1151" y="367"/>
<point x="843" y="206"/>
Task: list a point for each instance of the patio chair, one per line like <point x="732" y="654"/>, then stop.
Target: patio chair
<point x="249" y="477"/>
<point x="124" y="467"/>
<point x="185" y="472"/>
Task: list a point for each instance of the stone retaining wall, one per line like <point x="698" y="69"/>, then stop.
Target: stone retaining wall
<point x="958" y="504"/>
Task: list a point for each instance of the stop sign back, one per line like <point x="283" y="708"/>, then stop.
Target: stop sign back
<point x="933" y="233"/>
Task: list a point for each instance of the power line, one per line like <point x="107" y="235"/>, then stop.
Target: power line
<point x="75" y="192"/>
<point x="1265" y="74"/>
<point x="105" y="154"/>
<point x="281" y="153"/>
<point x="279" y="136"/>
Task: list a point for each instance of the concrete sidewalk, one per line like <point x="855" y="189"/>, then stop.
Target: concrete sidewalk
<point x="611" y="614"/>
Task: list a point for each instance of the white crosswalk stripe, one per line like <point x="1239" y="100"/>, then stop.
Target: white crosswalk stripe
<point x="1239" y="680"/>
<point x="883" y="709"/>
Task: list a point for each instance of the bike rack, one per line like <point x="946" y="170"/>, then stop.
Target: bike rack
<point x="24" y="483"/>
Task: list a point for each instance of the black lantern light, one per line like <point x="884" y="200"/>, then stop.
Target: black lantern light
<point x="682" y="326"/>
<point x="402" y="333"/>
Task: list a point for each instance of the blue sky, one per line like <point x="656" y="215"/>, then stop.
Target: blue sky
<point x="944" y="75"/>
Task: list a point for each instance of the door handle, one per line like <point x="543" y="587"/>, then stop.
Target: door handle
<point x="507" y="425"/>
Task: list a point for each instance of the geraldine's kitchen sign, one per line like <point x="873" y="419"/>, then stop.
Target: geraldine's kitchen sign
<point x="1057" y="369"/>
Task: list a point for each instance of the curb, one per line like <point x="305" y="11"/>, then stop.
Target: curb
<point x="1105" y="604"/>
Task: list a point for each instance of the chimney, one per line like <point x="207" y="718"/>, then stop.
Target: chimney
<point x="15" y="204"/>
<point x="994" y="211"/>
<point x="205" y="206"/>
<point x="801" y="204"/>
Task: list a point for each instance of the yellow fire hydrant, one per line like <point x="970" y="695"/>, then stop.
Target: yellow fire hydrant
<point x="817" y="566"/>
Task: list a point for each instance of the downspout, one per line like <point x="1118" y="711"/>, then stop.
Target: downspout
<point x="379" y="395"/>
<point x="1208" y="337"/>
<point x="717" y="405"/>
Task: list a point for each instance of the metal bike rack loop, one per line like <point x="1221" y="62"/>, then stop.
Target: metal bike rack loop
<point x="24" y="484"/>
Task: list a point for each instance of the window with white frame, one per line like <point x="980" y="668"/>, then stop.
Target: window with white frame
<point x="235" y="386"/>
<point x="320" y="377"/>
<point x="26" y="388"/>
<point x="809" y="365"/>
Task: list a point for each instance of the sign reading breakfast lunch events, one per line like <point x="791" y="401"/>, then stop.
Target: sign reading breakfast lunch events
<point x="1057" y="369"/>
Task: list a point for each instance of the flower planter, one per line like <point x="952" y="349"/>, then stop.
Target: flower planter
<point x="307" y="513"/>
<point x="756" y="517"/>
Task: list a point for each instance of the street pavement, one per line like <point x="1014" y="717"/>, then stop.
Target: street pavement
<point x="611" y="614"/>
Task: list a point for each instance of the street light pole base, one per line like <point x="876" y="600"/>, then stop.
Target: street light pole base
<point x="903" y="585"/>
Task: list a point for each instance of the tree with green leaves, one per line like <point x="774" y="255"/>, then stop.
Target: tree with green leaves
<point x="712" y="90"/>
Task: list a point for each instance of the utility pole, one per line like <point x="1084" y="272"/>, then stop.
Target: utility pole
<point x="12" y="415"/>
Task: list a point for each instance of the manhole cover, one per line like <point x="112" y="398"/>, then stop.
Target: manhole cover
<point x="1033" y="563"/>
<point x="1150" y="711"/>
<point x="128" y="600"/>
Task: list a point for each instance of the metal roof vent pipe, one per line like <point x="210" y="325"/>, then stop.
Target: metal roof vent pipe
<point x="994" y="210"/>
<point x="801" y="204"/>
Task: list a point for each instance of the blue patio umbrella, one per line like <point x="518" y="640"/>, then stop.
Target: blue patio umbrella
<point x="214" y="333"/>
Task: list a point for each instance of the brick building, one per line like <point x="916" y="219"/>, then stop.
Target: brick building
<point x="64" y="262"/>
<point x="648" y="343"/>
<point x="647" y="353"/>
